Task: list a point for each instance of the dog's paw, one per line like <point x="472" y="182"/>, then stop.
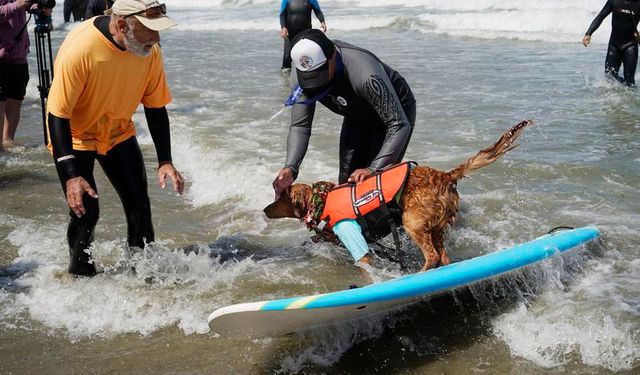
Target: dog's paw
<point x="444" y="260"/>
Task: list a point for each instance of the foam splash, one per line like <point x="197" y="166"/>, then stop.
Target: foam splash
<point x="553" y="331"/>
<point x="552" y="339"/>
<point x="169" y="287"/>
<point x="326" y="347"/>
<point x="542" y="20"/>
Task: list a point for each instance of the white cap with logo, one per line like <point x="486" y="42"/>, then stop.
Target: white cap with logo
<point x="311" y="53"/>
<point x="150" y="13"/>
<point x="307" y="55"/>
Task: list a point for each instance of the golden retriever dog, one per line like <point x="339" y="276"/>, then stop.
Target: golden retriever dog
<point x="428" y="201"/>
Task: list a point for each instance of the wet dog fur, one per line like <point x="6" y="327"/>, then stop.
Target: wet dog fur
<point x="429" y="201"/>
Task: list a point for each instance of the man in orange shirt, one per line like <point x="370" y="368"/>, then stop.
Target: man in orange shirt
<point x="104" y="69"/>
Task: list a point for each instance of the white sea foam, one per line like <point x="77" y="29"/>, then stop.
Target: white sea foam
<point x="206" y="4"/>
<point x="584" y="320"/>
<point x="551" y="339"/>
<point x="542" y="20"/>
<point x="229" y="166"/>
<point x="169" y="287"/>
<point x="323" y="348"/>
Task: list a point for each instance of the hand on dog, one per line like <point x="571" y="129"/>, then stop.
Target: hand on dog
<point x="359" y="175"/>
<point x="283" y="180"/>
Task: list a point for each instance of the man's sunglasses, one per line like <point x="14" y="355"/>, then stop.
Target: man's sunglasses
<point x="155" y="12"/>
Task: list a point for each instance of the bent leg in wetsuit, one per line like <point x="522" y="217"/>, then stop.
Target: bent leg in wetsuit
<point x="630" y="62"/>
<point x="286" y="55"/>
<point x="81" y="229"/>
<point x="626" y="55"/>
<point x="361" y="140"/>
<point x="124" y="167"/>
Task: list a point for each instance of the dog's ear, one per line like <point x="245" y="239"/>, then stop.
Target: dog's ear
<point x="300" y="196"/>
<point x="283" y="207"/>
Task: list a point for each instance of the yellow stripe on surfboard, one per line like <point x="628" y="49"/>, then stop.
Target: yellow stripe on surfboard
<point x="303" y="302"/>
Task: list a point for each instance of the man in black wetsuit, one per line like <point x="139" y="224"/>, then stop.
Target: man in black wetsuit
<point x="75" y="8"/>
<point x="104" y="69"/>
<point x="377" y="104"/>
<point x="96" y="8"/>
<point x="623" y="43"/>
<point x="295" y="16"/>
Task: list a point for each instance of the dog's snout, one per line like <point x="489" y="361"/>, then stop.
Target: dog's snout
<point x="269" y="210"/>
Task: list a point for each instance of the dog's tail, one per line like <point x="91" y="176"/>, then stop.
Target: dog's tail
<point x="490" y="154"/>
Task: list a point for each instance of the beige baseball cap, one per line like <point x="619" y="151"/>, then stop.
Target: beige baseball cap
<point x="150" y="13"/>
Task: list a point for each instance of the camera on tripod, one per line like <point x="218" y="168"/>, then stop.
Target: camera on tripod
<point x="41" y="18"/>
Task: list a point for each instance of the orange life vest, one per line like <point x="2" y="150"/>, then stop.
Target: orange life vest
<point x="351" y="201"/>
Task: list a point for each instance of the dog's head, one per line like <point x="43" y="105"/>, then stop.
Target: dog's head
<point x="293" y="202"/>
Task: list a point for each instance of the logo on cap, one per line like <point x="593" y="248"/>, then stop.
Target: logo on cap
<point x="306" y="62"/>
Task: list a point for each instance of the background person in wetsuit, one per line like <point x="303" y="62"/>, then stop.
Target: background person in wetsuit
<point x="378" y="106"/>
<point x="104" y="69"/>
<point x="623" y="43"/>
<point x="295" y="16"/>
<point x="97" y="8"/>
<point x="75" y="8"/>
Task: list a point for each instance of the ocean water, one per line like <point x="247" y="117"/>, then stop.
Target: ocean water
<point x="476" y="68"/>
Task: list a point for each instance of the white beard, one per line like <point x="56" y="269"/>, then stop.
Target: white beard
<point x="133" y="46"/>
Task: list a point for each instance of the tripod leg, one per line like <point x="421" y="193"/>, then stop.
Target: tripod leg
<point x="45" y="69"/>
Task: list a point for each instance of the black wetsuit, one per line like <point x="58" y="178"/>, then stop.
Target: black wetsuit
<point x="295" y="15"/>
<point x="125" y="169"/>
<point x="97" y="8"/>
<point x="623" y="47"/>
<point x="379" y="112"/>
<point x="75" y="7"/>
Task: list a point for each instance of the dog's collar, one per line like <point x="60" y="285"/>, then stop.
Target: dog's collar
<point x="319" y="192"/>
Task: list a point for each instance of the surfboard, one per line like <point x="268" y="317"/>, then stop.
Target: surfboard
<point x="284" y="316"/>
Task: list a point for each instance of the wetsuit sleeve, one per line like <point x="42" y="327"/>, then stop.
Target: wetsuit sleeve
<point x="62" y="146"/>
<point x="599" y="18"/>
<point x="317" y="10"/>
<point x="283" y="13"/>
<point x="299" y="134"/>
<point x="371" y="82"/>
<point x="158" y="121"/>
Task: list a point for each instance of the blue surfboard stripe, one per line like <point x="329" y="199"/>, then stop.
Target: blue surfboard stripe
<point x="446" y="278"/>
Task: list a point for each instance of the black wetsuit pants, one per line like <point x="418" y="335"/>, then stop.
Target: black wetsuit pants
<point x="627" y="55"/>
<point x="75" y="7"/>
<point x="362" y="139"/>
<point x="124" y="166"/>
<point x="286" y="55"/>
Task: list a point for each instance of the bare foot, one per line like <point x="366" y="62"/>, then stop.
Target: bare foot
<point x="12" y="146"/>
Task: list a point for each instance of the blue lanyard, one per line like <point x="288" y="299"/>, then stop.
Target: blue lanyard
<point x="297" y="91"/>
